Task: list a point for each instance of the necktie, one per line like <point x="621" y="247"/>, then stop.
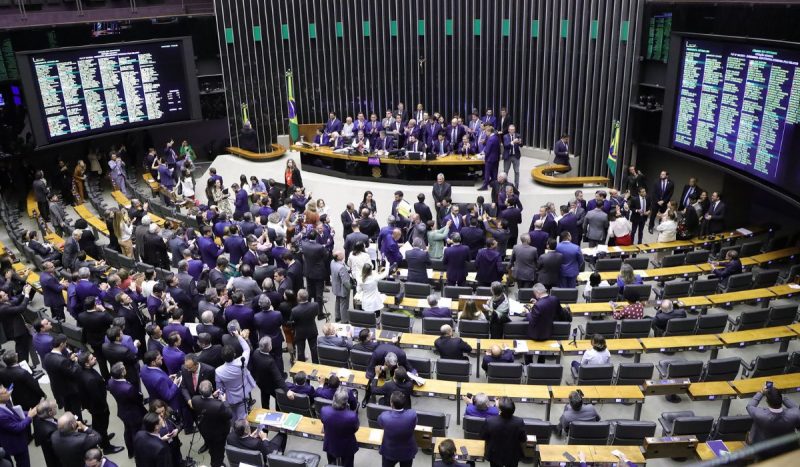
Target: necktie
<point x="441" y="147"/>
<point x="194" y="380"/>
<point x="454" y="134"/>
<point x="663" y="186"/>
<point x="644" y="208"/>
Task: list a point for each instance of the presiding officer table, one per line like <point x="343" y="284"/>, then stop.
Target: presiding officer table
<point x="457" y="170"/>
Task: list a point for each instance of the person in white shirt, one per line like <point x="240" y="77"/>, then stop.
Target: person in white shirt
<point x="347" y="129"/>
<point x="597" y="355"/>
<point x="620" y="229"/>
<point x="667" y="232"/>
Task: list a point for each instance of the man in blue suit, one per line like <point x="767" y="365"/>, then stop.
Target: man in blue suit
<point x="457" y="222"/>
<point x="455" y="132"/>
<point x="573" y="260"/>
<point x="241" y="202"/>
<point x="209" y="251"/>
<point x="435" y="311"/>
<point x="234" y="244"/>
<point x="491" y="158"/>
<point x="455" y="259"/>
<point x="390" y="248"/>
<point x="53" y="290"/>
<point x="333" y="124"/>
<point x="399" y="444"/>
<point x="561" y="150"/>
<point x="549" y="224"/>
<point x="130" y="405"/>
<point x="341" y="425"/>
<point x="159" y="385"/>
<point x="662" y="193"/>
<point x="85" y="288"/>
<point x="512" y="142"/>
<point x="544" y="311"/>
<point x="569" y="223"/>
<point x="14" y="430"/>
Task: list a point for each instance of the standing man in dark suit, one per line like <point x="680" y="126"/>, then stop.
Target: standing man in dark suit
<point x="27" y="392"/>
<point x="512" y="142"/>
<point x="341" y="425"/>
<point x="14" y="430"/>
<point x="640" y="211"/>
<point x="265" y="370"/>
<point x="114" y="351"/>
<point x="422" y="209"/>
<point x="72" y="440"/>
<point x="303" y="318"/>
<point x="193" y="373"/>
<point x="95" y="322"/>
<point x="441" y="190"/>
<point x="130" y="404"/>
<point x="149" y="448"/>
<point x="455" y="260"/>
<point x="634" y="180"/>
<point x="93" y="395"/>
<point x="542" y="314"/>
<point x="214" y="418"/>
<point x="418" y="262"/>
<point x="348" y="216"/>
<point x="504" y="436"/>
<point x="491" y="158"/>
<point x="473" y="236"/>
<point x="11" y="310"/>
<point x="399" y="444"/>
<point x="63" y="371"/>
<point x="573" y="261"/>
<point x="53" y="291"/>
<point x="690" y="190"/>
<point x="662" y="193"/>
<point x="315" y="257"/>
<point x="561" y="151"/>
<point x="715" y="217"/>
<point x="44" y="425"/>
<point x="41" y="192"/>
<point x="503" y="122"/>
<point x="549" y="264"/>
<point x="450" y="347"/>
<point x="569" y="223"/>
<point x="523" y="262"/>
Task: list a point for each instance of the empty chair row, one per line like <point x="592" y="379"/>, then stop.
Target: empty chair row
<point x="727" y="369"/>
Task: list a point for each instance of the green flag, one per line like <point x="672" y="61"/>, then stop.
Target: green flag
<point x="294" y="130"/>
<point x="613" y="150"/>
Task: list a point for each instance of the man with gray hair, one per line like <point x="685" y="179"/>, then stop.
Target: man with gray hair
<point x="434" y="310"/>
<point x="266" y="372"/>
<point x="207" y="325"/>
<point x="418" y="261"/>
<point x="304" y="316"/>
<point x="72" y="440"/>
<point x="44" y="425"/>
<point x="523" y="262"/>
<point x="540" y="318"/>
<point x="665" y="313"/>
<point x="154" y="249"/>
<point x="214" y="417"/>
<point x="449" y="347"/>
<point x="138" y="236"/>
<point x="341" y="286"/>
<point x="71" y="249"/>
<point x="479" y="406"/>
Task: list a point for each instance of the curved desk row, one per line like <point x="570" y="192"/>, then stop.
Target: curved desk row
<point x="457" y="169"/>
<point x="277" y="152"/>
<point x="543" y="174"/>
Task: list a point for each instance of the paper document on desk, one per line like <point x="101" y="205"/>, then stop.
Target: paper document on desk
<point x="602" y="248"/>
<point x="292" y="420"/>
<point x="343" y="374"/>
<point x="375" y="436"/>
<point x="270" y="418"/>
<point x="445" y="302"/>
<point x="520" y="346"/>
<point x="416" y="379"/>
<point x="344" y="330"/>
<point x="472" y="276"/>
<point x="744" y="231"/>
<point x="516" y="308"/>
<point x="192" y="328"/>
<point x="794" y="286"/>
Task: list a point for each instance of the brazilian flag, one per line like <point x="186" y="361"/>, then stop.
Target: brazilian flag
<point x="294" y="130"/>
<point x="613" y="150"/>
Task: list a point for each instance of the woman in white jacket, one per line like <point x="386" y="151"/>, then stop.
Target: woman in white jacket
<point x="371" y="298"/>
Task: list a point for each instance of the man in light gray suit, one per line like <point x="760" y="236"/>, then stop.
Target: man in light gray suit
<point x="340" y="286"/>
<point x="577" y="411"/>
<point x="234" y="379"/>
<point x="71" y="249"/>
<point x="245" y="283"/>
<point x="781" y="416"/>
<point x="595" y="226"/>
<point x="57" y="215"/>
<point x="523" y="262"/>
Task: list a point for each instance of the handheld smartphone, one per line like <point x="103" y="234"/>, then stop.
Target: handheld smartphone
<point x="768" y="385"/>
<point x="569" y="456"/>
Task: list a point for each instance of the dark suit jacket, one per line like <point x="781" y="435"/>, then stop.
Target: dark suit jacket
<point x="93" y="391"/>
<point x="63" y="375"/>
<point x="95" y="324"/>
<point x="70" y="448"/>
<point x="550" y="268"/>
<point x="379" y="358"/>
<point x="43" y="430"/>
<point x="569" y="223"/>
<point x="347" y="221"/>
<point x="660" y="194"/>
<point x="214" y="417"/>
<point x="398" y="434"/>
<point x="453" y="348"/>
<point x="424" y="212"/>
<point x="541" y="317"/>
<point x="474" y="238"/>
<point x="212" y="356"/>
<point x="503" y="437"/>
<point x="52" y="290"/>
<point x="661" y="319"/>
<point x="682" y="202"/>
<point x="455" y="259"/>
<point x="130" y="405"/>
<point x="11" y="317"/>
<point x="716" y="223"/>
<point x="266" y="372"/>
<point x="206" y="374"/>
<point x="441" y="192"/>
<point x="314" y="260"/>
<point x="27" y="392"/>
<point x="150" y="450"/>
<point x="116" y="352"/>
<point x="418" y="263"/>
<point x="154" y="251"/>
<point x="340" y="428"/>
<point x="266" y="447"/>
<point x="304" y="318"/>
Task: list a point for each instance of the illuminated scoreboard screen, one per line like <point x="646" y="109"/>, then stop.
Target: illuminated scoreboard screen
<point x="86" y="91"/>
<point x="738" y="104"/>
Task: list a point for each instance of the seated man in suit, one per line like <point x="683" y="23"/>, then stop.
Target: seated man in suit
<point x="480" y="406"/>
<point x="732" y="265"/>
<point x="241" y="437"/>
<point x="576" y="410"/>
<point x="440" y="147"/>
<point x="435" y="311"/>
<point x="301" y="385"/>
<point x="366" y="341"/>
<point x="665" y="313"/>
<point x="450" y="347"/>
<point x="400" y="382"/>
<point x="496" y="354"/>
<point x="330" y="338"/>
<point x="413" y="145"/>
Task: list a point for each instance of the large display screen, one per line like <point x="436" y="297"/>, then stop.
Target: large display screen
<point x="739" y="104"/>
<point x="74" y="93"/>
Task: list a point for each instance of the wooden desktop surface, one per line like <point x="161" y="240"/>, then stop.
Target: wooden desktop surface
<point x="748" y="387"/>
<point x="730" y="298"/>
<point x="711" y="390"/>
<point x="704" y="453"/>
<point x="772" y="334"/>
<point x="552" y="453"/>
<point x="518" y="392"/>
<point x="699" y="342"/>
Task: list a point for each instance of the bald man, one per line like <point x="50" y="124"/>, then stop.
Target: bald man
<point x="496" y="354"/>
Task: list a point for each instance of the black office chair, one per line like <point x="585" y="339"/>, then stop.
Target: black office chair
<point x="678" y="327"/>
<point x="397" y="322"/>
<point x="473" y="427"/>
<point x="424" y="366"/>
<point x="515" y="330"/>
<point x="373" y="412"/>
<point x="390" y="288"/>
<point x="642" y="290"/>
<point x="672" y="261"/>
<point x="781" y="313"/>
<point x="606" y="328"/>
<point x="453" y="370"/>
<point x="417" y="290"/>
<point x="359" y="359"/>
<point x="525" y="295"/>
<point x="453" y="291"/>
<point x="483" y="291"/>
<point x="603" y="293"/>
<point x="363" y="319"/>
<point x="634" y="373"/>
<point x="238" y="456"/>
<point x="438" y="421"/>
<point x="562" y="330"/>
<point x="319" y="403"/>
<point x="685" y="423"/>
<point x="473" y="328"/>
<point x="750" y="319"/>
<point x="333" y="356"/>
<point x="679" y="369"/>
<point x="504" y="373"/>
<point x="539" y="428"/>
<point x="766" y="365"/>
<point x="737" y="282"/>
<point x="712" y="323"/>
<point x="731" y="428"/>
<point x="294" y="459"/>
<point x="632" y="432"/>
<point x="721" y="369"/>
<point x="697" y="257"/>
<point x="791" y="275"/>
<point x="703" y="287"/>
<point x="549" y="374"/>
<point x="635" y="328"/>
<point x="591" y="433"/>
<point x="751" y="248"/>
<point x="300" y="404"/>
<point x="765" y="278"/>
<point x="723" y="252"/>
<point x="673" y="290"/>
<point x="593" y="375"/>
<point x="432" y="326"/>
<point x="641" y="262"/>
<point x="608" y="264"/>
<point x="564" y="295"/>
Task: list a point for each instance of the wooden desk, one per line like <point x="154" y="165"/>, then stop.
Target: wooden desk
<point x="475" y="448"/>
<point x="743" y="296"/>
<point x="91" y="219"/>
<point x="554" y="454"/>
<point x="551" y="347"/>
<point x="595" y="394"/>
<point x="777" y="255"/>
<point x="795" y="327"/>
<point x="782" y="334"/>
<point x="323" y="371"/>
<point x="123" y="201"/>
<point x="448" y="160"/>
<point x="435" y="276"/>
<point x="704" y="453"/>
<point x="679" y="343"/>
<point x="713" y="390"/>
<point x="748" y="387"/>
<point x="784" y="291"/>
<point x="614" y="346"/>
<point x="590" y="309"/>
<point x="154" y="185"/>
<point x="519" y="392"/>
<point x="661" y="246"/>
<point x="277" y="152"/>
<point x="541" y="174"/>
<point x="437" y="388"/>
<point x="613" y="251"/>
<point x="665" y="274"/>
<point x="423" y="341"/>
<point x="694" y="303"/>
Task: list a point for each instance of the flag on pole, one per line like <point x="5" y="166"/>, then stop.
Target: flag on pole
<point x="613" y="150"/>
<point x="294" y="130"/>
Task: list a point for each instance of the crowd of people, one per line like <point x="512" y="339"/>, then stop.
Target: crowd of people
<point x="252" y="280"/>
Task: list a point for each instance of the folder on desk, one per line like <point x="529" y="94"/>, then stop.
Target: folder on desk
<point x="719" y="448"/>
<point x="520" y="346"/>
<point x="291" y="421"/>
<point x="271" y="418"/>
<point x="387" y="335"/>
